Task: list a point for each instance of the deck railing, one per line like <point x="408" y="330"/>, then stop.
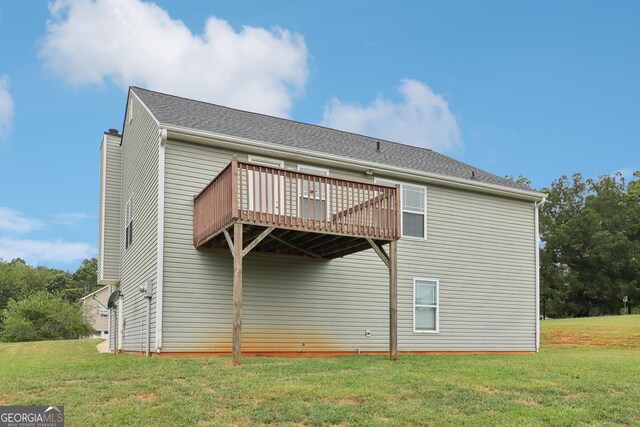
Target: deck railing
<point x="284" y="198"/>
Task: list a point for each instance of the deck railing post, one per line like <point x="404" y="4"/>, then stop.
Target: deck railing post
<point x="235" y="214"/>
<point x="398" y="224"/>
<point x="237" y="293"/>
<point x="393" y="300"/>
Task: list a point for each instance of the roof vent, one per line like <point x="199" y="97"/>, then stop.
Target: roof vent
<point x="473" y="174"/>
<point x="113" y="131"/>
<point x="378" y="146"/>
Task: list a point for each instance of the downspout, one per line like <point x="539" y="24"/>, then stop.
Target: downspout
<point x="537" y="252"/>
<point x="160" y="248"/>
<point x="120" y="323"/>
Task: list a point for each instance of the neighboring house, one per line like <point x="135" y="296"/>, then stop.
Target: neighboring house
<point x="339" y="231"/>
<point x="94" y="306"/>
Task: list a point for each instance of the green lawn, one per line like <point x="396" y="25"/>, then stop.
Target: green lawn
<point x="591" y="379"/>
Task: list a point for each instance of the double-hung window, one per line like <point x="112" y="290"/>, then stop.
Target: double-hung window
<point x="425" y="305"/>
<point x="128" y="223"/>
<point x="414" y="209"/>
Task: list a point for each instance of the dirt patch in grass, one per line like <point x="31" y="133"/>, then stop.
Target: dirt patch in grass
<point x="527" y="402"/>
<point x="350" y="400"/>
<point x="572" y="339"/>
<point x="145" y="396"/>
<point x="486" y="389"/>
<point x="608" y="332"/>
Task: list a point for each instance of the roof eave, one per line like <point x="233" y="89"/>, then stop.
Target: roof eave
<point x="94" y="292"/>
<point x="245" y="144"/>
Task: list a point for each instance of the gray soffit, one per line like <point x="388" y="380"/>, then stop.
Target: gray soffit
<point x="202" y="116"/>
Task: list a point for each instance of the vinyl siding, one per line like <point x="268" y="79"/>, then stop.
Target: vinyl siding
<point x="109" y="209"/>
<point x="480" y="247"/>
<point x="140" y="149"/>
<point x="91" y="308"/>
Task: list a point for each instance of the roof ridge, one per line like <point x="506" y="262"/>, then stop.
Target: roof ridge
<point x="288" y="120"/>
<point x="288" y="132"/>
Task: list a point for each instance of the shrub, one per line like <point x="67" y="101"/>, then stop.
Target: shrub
<point x="43" y="316"/>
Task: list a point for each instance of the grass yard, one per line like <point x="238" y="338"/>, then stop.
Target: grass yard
<point x="588" y="373"/>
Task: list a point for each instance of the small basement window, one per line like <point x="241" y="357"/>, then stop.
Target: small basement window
<point x="426" y="310"/>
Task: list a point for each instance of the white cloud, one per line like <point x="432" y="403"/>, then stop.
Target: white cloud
<point x="130" y="42"/>
<point x="422" y="118"/>
<point x="6" y="106"/>
<point x="12" y="221"/>
<point x="37" y="252"/>
<point x="70" y="219"/>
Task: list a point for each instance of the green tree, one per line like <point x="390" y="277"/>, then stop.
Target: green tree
<point x="589" y="257"/>
<point x="43" y="316"/>
<point x="86" y="276"/>
<point x="19" y="280"/>
<point x="65" y="285"/>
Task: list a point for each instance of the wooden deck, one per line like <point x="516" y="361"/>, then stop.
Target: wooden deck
<point x="307" y="214"/>
<point x="250" y="207"/>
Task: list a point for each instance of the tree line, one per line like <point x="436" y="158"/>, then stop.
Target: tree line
<point x="40" y="303"/>
<point x="590" y="246"/>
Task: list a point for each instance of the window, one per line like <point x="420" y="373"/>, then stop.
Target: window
<point x="104" y="311"/>
<point x="128" y="223"/>
<point x="414" y="211"/>
<point x="425" y="305"/>
<point x="130" y="110"/>
<point x="312" y="201"/>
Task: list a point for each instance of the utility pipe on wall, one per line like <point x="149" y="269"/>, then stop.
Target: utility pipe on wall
<point x="147" y="290"/>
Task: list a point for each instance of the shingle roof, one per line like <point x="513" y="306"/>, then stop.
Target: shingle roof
<point x="188" y="113"/>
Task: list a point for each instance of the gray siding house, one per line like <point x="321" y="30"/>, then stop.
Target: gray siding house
<point x="270" y="236"/>
<point x="94" y="308"/>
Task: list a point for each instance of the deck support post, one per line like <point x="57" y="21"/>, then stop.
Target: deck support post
<point x="393" y="300"/>
<point x="237" y="293"/>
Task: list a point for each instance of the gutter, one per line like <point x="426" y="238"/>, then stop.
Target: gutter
<point x="162" y="140"/>
<point x="298" y="154"/>
<point x="537" y="207"/>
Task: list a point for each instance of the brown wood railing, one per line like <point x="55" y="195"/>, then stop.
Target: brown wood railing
<point x="284" y="198"/>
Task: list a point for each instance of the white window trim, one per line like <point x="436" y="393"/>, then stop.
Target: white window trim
<point x="413" y="305"/>
<point x="319" y="171"/>
<point x="269" y="162"/>
<point x="128" y="208"/>
<point x="402" y="183"/>
<point x="130" y="111"/>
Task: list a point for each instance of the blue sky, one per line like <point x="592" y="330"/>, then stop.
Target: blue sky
<point x="540" y="89"/>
